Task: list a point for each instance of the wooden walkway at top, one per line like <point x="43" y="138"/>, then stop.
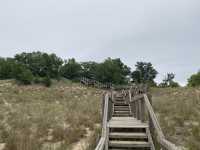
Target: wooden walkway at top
<point x="95" y="83"/>
<point x="129" y="122"/>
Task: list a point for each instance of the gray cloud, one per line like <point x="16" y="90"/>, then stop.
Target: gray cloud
<point x="166" y="33"/>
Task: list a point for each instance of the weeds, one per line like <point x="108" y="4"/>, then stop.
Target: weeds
<point x="39" y="118"/>
<point x="178" y="113"/>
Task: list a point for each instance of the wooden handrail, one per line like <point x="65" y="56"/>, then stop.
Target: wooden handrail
<point x="141" y="101"/>
<point x="95" y="83"/>
<point x="160" y="136"/>
<point x="102" y="142"/>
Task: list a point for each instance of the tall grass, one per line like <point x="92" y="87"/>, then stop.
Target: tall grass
<point x="178" y="110"/>
<point x="40" y="118"/>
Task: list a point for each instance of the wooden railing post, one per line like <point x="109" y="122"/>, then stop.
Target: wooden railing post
<point x="134" y="110"/>
<point x="142" y="110"/>
<point x="110" y="109"/>
<point x="103" y="105"/>
<point x="151" y="127"/>
<point x="139" y="110"/>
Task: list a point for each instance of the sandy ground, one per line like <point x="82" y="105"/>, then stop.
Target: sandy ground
<point x="2" y="146"/>
<point x="83" y="143"/>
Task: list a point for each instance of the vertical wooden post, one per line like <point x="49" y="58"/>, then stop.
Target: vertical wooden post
<point x="103" y="102"/>
<point x="139" y="109"/>
<point x="134" y="110"/>
<point x="142" y="110"/>
<point x="107" y="138"/>
<point x="110" y="109"/>
<point x="151" y="127"/>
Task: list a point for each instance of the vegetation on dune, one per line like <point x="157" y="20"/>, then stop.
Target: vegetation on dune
<point x="194" y="80"/>
<point x="179" y="115"/>
<point x="35" y="117"/>
<point x="144" y="73"/>
<point x="168" y="81"/>
<point x="27" y="68"/>
<point x="39" y="118"/>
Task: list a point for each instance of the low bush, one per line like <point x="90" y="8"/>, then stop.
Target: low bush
<point x="23" y="75"/>
<point x="47" y="81"/>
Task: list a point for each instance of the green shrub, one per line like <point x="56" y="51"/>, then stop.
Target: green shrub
<point x="174" y="84"/>
<point x="23" y="75"/>
<point x="37" y="80"/>
<point x="47" y="81"/>
<point x="194" y="80"/>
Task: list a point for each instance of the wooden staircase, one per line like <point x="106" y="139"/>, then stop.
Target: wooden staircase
<point x="125" y="131"/>
<point x="121" y="108"/>
<point x="129" y="123"/>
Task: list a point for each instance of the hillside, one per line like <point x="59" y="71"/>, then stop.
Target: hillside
<point x="39" y="118"/>
<point x="56" y="118"/>
<point x="178" y="110"/>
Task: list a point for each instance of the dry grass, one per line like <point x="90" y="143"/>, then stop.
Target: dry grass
<point x="39" y="118"/>
<point x="178" y="110"/>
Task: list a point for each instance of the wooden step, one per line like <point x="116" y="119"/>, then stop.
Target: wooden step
<point x="131" y="144"/>
<point x="126" y="135"/>
<point x="122" y="111"/>
<point x="121" y="115"/>
<point x="127" y="119"/>
<point x="122" y="108"/>
<point x="125" y="105"/>
<point x="127" y="125"/>
<point x="125" y="110"/>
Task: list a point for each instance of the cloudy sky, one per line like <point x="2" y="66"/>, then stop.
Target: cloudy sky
<point x="164" y="32"/>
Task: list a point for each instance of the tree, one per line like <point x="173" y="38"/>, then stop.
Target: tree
<point x="22" y="74"/>
<point x="113" y="71"/>
<point x="168" y="81"/>
<point x="194" y="80"/>
<point x="41" y="64"/>
<point x="6" y="68"/>
<point x="144" y="73"/>
<point x="89" y="69"/>
<point x="71" y="69"/>
<point x="47" y="81"/>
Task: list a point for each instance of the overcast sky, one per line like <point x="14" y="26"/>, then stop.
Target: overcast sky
<point x="164" y="32"/>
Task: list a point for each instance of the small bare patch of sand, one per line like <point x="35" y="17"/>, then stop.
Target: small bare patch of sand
<point x="2" y="146"/>
<point x="83" y="143"/>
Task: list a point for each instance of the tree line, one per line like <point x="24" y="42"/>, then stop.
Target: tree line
<point x="39" y="67"/>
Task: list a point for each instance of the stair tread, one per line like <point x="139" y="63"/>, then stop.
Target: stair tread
<point x="127" y="135"/>
<point x="124" y="118"/>
<point x="121" y="115"/>
<point x="127" y="125"/>
<point x="132" y="144"/>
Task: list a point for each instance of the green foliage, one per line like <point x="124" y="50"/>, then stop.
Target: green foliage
<point x="6" y="68"/>
<point x="47" y="81"/>
<point x="174" y="84"/>
<point x="168" y="81"/>
<point x="23" y="75"/>
<point x="41" y="64"/>
<point x="43" y="80"/>
<point x="113" y="71"/>
<point x="71" y="69"/>
<point x="194" y="80"/>
<point x="89" y="69"/>
<point x="144" y="73"/>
